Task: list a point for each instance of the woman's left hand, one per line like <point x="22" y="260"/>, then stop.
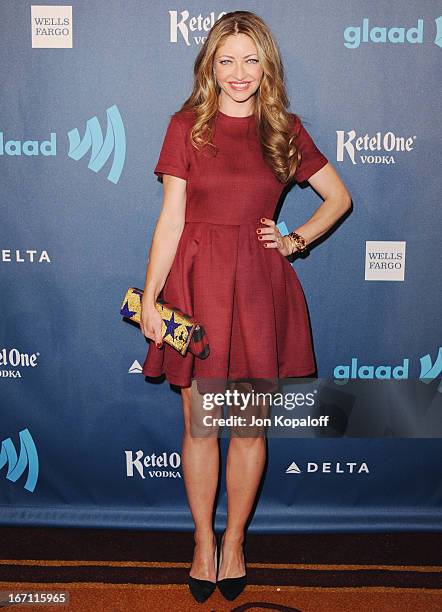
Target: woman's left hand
<point x="271" y="237"/>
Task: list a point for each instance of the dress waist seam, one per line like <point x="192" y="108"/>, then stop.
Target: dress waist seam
<point x="222" y="223"/>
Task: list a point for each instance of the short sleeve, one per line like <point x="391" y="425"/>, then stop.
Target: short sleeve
<point x="312" y="158"/>
<point x="173" y="157"/>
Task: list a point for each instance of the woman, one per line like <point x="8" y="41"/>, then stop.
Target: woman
<point x="217" y="254"/>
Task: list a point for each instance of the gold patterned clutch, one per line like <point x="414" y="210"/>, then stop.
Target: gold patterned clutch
<point x="178" y="329"/>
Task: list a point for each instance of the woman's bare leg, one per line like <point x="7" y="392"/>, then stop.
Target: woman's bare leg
<point x="245" y="463"/>
<point x="200" y="463"/>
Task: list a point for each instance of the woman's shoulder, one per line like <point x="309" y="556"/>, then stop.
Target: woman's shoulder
<point x="185" y="117"/>
<point x="295" y="121"/>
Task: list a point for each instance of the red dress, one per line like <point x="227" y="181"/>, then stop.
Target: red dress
<point x="248" y="298"/>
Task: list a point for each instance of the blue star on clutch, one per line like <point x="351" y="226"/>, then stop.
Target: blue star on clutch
<point x="126" y="312"/>
<point x="171" y="326"/>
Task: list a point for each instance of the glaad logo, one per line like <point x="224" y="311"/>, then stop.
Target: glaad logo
<point x="327" y="467"/>
<point x="28" y="147"/>
<point x="155" y="463"/>
<point x="115" y="141"/>
<point x="377" y="149"/>
<point x="28" y="458"/>
<point x="354" y="35"/>
<point x="14" y="358"/>
<point x="438" y="37"/>
<point x="101" y="151"/>
<point x="429" y="371"/>
<point x="184" y="26"/>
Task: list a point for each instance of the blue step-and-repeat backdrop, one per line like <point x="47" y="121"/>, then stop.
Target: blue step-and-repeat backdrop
<point x="87" y="92"/>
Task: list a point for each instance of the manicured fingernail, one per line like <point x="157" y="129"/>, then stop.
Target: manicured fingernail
<point x="262" y="219"/>
<point x="159" y="344"/>
<point x="258" y="231"/>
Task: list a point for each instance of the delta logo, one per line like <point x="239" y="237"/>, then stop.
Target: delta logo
<point x="329" y="467"/>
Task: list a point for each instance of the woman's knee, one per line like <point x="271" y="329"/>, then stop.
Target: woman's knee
<point x="242" y="442"/>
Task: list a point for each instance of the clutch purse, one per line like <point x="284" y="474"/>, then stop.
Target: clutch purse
<point x="178" y="329"/>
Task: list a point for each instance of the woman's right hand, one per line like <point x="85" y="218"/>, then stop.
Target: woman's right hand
<point x="150" y="323"/>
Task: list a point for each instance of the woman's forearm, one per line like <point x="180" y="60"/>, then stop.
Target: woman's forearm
<point x="161" y="255"/>
<point x="323" y="218"/>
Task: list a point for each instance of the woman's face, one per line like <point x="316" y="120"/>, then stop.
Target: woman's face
<point x="237" y="68"/>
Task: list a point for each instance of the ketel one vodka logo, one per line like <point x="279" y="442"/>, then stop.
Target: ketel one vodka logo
<point x="378" y="148"/>
<point x="191" y="28"/>
<point x="155" y="466"/>
<point x="11" y="360"/>
<point x="101" y="149"/>
<point x="17" y="464"/>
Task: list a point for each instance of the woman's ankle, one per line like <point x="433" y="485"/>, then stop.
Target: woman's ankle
<point x="203" y="535"/>
<point x="233" y="536"/>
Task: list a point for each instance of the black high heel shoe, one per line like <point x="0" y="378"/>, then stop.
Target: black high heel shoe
<point x="231" y="587"/>
<point x="203" y="589"/>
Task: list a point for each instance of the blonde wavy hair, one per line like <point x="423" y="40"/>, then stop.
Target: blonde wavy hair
<point x="273" y="121"/>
